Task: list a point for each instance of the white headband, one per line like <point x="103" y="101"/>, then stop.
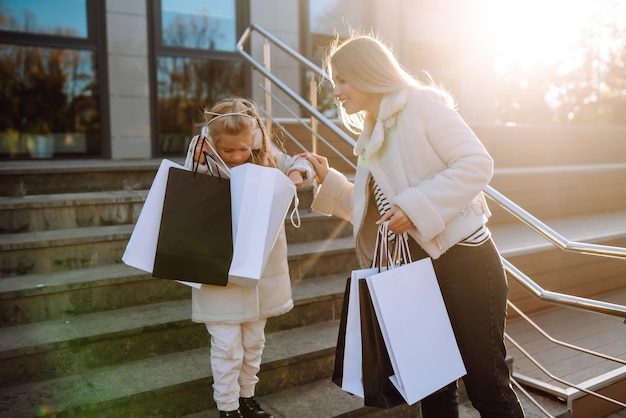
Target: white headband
<point x="219" y="115"/>
<point x="258" y="137"/>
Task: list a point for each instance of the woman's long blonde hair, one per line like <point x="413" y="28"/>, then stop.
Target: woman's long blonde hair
<point x="367" y="64"/>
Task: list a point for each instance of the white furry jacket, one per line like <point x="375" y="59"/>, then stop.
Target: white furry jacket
<point x="427" y="161"/>
<point x="272" y="296"/>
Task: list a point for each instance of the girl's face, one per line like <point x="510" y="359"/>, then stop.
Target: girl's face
<point x="234" y="149"/>
<point x="352" y="99"/>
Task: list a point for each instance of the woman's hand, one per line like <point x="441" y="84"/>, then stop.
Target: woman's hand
<point x="296" y="177"/>
<point x="320" y="164"/>
<point x="198" y="156"/>
<point x="399" y="223"/>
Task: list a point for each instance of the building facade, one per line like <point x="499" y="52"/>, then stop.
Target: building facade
<point x="127" y="79"/>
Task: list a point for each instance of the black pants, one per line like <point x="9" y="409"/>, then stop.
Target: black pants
<point x="474" y="288"/>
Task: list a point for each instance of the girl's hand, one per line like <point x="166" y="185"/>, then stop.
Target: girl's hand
<point x="320" y="164"/>
<point x="198" y="156"/>
<point x="399" y="223"/>
<point x="296" y="177"/>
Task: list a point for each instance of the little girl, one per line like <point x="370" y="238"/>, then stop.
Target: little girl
<point x="235" y="316"/>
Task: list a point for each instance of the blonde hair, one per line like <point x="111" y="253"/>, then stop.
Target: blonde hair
<point x="239" y="116"/>
<point x="367" y="64"/>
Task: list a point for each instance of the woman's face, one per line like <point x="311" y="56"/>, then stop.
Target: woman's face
<point x="234" y="149"/>
<point x="352" y="99"/>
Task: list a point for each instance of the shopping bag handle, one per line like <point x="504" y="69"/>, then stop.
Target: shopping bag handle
<point x="221" y="165"/>
<point x="402" y="251"/>
<point x="196" y="164"/>
<point x="381" y="247"/>
<point x="295" y="212"/>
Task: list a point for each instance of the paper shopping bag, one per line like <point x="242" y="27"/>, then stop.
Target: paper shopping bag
<point x="378" y="389"/>
<point x="141" y="248"/>
<point x="261" y="197"/>
<point x="349" y="368"/>
<point x="195" y="242"/>
<point x="416" y="329"/>
<point x="340" y="348"/>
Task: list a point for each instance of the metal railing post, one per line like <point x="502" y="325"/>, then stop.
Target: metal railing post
<point x="267" y="63"/>
<point x="313" y="100"/>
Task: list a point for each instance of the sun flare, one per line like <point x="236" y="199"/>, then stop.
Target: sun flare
<point x="533" y="32"/>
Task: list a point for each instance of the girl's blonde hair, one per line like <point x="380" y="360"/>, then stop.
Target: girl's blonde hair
<point x="239" y="116"/>
<point x="367" y="64"/>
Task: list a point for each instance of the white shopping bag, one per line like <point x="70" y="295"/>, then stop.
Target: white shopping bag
<point x="141" y="248"/>
<point x="352" y="372"/>
<point x="260" y="197"/>
<point x="416" y="329"/>
<point x="352" y="379"/>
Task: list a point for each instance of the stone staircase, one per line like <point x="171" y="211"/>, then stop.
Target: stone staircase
<point x="83" y="335"/>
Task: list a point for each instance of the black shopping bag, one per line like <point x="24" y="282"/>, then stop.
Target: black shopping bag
<point x="337" y="377"/>
<point x="379" y="391"/>
<point x="195" y="241"/>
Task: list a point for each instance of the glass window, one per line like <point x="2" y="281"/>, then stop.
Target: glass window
<point x="185" y="86"/>
<point x="336" y="16"/>
<point x="196" y="65"/>
<point x="50" y="98"/>
<point x="48" y="94"/>
<point x="200" y="24"/>
<point x="58" y="17"/>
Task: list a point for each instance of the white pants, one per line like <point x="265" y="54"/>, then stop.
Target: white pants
<point x="236" y="351"/>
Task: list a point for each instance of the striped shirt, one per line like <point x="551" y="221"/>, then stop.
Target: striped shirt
<point x="382" y="204"/>
<point x="476" y="238"/>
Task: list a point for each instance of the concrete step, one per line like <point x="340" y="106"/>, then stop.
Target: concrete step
<point x="69" y="210"/>
<point x="22" y="178"/>
<point x="62" y="250"/>
<point x="75" y="210"/>
<point x="77" y="344"/>
<point x="40" y="296"/>
<point x="66" y="294"/>
<point x="551" y="192"/>
<point x="314" y="227"/>
<point x="304" y="402"/>
<point x="175" y="384"/>
<point x="69" y="249"/>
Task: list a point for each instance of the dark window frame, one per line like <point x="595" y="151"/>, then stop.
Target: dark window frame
<point x="157" y="49"/>
<point x="95" y="41"/>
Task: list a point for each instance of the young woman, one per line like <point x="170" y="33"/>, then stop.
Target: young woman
<point x="235" y="316"/>
<point x="427" y="170"/>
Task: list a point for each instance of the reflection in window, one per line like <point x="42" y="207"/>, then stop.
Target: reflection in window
<point x="59" y="17"/>
<point x="199" y="24"/>
<point x="185" y="87"/>
<point x="52" y="94"/>
<point x="336" y="16"/>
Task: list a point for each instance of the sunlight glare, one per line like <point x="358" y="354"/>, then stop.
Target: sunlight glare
<point x="535" y="32"/>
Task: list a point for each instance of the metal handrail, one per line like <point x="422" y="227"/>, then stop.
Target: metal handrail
<point x="550" y="234"/>
<point x="559" y="342"/>
<point x="558" y="379"/>
<point x="311" y="129"/>
<point x="517" y="211"/>
<point x="280" y="84"/>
